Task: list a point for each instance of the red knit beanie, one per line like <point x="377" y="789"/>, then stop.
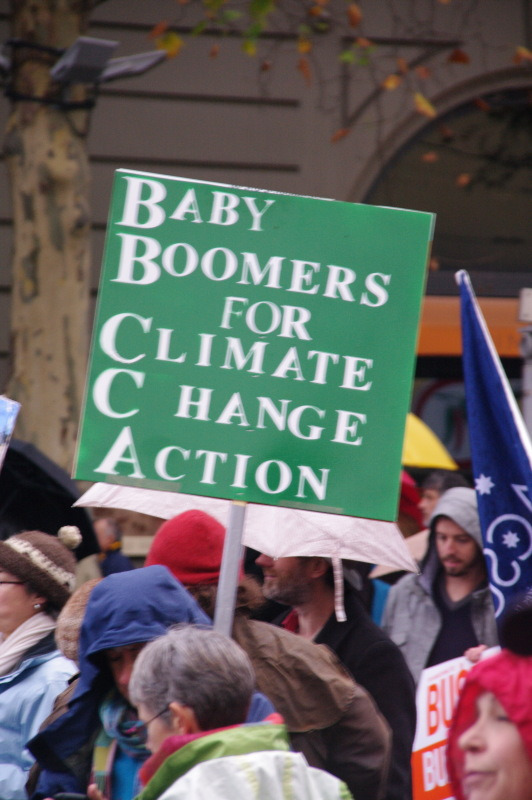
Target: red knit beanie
<point x="190" y="546"/>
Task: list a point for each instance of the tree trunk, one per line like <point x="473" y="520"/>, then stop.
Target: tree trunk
<point x="46" y="153"/>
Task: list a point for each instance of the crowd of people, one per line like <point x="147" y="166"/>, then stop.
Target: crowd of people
<point x="121" y="688"/>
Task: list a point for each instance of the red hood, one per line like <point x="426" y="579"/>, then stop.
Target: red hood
<point x="509" y="678"/>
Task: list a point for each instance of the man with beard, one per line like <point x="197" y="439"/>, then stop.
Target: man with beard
<point x="447" y="609"/>
<point x="307" y="585"/>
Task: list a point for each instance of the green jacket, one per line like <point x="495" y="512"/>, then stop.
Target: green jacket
<point x="246" y="762"/>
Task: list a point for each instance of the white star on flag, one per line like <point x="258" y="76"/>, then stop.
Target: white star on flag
<point x="510" y="539"/>
<point x="484" y="484"/>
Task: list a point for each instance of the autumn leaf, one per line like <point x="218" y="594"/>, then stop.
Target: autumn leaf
<point x="304" y="68"/>
<point x="430" y="157"/>
<point x="391" y="82"/>
<point x="424" y="106"/>
<point x="170" y="42"/>
<point x="265" y="66"/>
<point x="521" y="55"/>
<point x="481" y="103"/>
<point x="158" y="30"/>
<point x="304" y="45"/>
<point x="354" y="15"/>
<point x="458" y="57"/>
<point x="422" y="72"/>
<point x="347" y="57"/>
<point x="229" y="16"/>
<point x="215" y="49"/>
<point x="249" y="47"/>
<point x="447" y="134"/>
<point x="359" y="53"/>
<point x="340" y="134"/>
<point x="464" y="179"/>
<point x="260" y="8"/>
<point x="199" y="28"/>
<point x="254" y="31"/>
<point x="402" y="65"/>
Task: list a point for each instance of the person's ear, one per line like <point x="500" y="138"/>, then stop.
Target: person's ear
<point x="317" y="567"/>
<point x="183" y="719"/>
<point x="39" y="601"/>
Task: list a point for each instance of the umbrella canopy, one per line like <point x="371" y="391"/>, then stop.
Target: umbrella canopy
<point x="36" y="494"/>
<point x="279" y="531"/>
<point x="422" y="448"/>
<point x="311" y="533"/>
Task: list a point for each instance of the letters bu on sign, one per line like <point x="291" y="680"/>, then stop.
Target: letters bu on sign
<point x="437" y="694"/>
<point x="254" y="346"/>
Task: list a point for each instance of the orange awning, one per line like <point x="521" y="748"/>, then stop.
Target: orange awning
<point x="440" y="333"/>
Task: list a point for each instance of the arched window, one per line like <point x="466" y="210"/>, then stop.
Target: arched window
<point x="473" y="168"/>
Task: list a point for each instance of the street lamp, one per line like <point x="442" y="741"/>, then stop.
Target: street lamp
<point x="88" y="60"/>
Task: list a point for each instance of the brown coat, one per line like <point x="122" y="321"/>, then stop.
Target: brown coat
<point x="331" y="719"/>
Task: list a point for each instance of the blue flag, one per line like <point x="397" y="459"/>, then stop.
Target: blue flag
<point x="501" y="454"/>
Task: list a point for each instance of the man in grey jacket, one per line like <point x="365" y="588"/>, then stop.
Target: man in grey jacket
<point x="441" y="613"/>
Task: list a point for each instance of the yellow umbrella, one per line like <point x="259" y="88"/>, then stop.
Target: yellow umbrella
<point x="422" y="448"/>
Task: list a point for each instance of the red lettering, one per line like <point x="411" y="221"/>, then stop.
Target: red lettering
<point x="433" y="717"/>
<point x="441" y="700"/>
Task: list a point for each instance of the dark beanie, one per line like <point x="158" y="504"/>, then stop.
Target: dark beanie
<point x="190" y="546"/>
<point x="44" y="561"/>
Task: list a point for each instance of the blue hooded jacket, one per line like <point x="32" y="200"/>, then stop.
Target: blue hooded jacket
<point x="124" y="608"/>
<point x="127" y="608"/>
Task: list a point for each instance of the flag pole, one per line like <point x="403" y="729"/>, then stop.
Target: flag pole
<point x="462" y="276"/>
<point x="231" y="558"/>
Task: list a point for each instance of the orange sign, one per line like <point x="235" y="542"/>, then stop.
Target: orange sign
<point x="437" y="694"/>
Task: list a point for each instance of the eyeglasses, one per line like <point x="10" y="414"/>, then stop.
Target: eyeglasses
<point x="141" y="728"/>
<point x="11" y="583"/>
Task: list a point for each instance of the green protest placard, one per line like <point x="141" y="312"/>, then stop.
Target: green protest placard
<point x="253" y="345"/>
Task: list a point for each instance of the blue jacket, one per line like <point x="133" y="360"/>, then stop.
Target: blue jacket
<point x="124" y="608"/>
<point x="115" y="561"/>
<point x="26" y="698"/>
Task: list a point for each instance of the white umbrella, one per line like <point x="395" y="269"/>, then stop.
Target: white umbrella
<point x="277" y="531"/>
<point x="154" y="502"/>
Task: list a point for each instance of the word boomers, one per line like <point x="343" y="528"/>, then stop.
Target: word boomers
<point x="139" y="264"/>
